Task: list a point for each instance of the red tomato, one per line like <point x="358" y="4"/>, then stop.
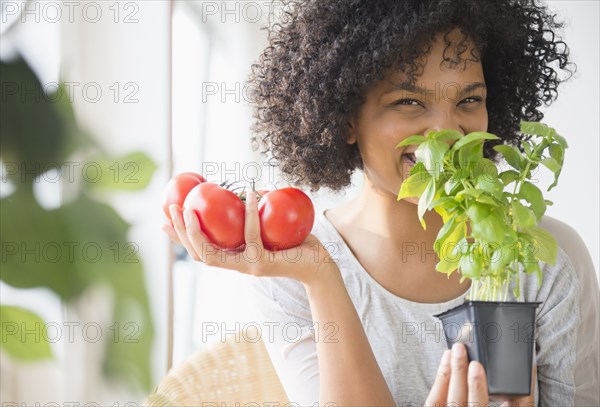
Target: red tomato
<point x="221" y="214"/>
<point x="286" y="218"/>
<point x="178" y="188"/>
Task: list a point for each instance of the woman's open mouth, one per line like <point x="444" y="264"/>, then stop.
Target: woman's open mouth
<point x="409" y="158"/>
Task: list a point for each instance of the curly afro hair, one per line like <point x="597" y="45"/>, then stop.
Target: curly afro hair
<point x="325" y="55"/>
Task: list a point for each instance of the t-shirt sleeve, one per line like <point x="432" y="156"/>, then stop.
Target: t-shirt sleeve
<point x="283" y="312"/>
<point x="565" y="346"/>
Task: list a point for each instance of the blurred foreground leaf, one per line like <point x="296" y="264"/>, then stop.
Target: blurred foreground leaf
<point x="32" y="346"/>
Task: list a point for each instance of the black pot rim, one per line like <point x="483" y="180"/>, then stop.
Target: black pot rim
<point x="473" y="303"/>
<point x="507" y="303"/>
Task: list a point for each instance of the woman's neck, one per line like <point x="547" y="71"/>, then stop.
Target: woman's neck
<point x="380" y="213"/>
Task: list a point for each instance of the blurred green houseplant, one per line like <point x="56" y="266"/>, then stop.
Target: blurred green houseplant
<point x="45" y="248"/>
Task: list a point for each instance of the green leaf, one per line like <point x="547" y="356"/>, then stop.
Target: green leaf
<point x="449" y="248"/>
<point x="425" y="201"/>
<point x="557" y="152"/>
<point x="534" y="267"/>
<point x="447" y="202"/>
<point x="524" y="216"/>
<point x="561" y="141"/>
<point x="35" y="130"/>
<point x="472" y="192"/>
<point x="493" y="186"/>
<point x="487" y="168"/>
<point x="486" y="199"/>
<point x="511" y="154"/>
<point x="451" y="186"/>
<point x="534" y="196"/>
<point x="60" y="239"/>
<point x="131" y="172"/>
<point x="526" y="147"/>
<point x="477" y="212"/>
<point x="486" y="223"/>
<point x="450" y="236"/>
<point x="551" y="164"/>
<point x="431" y="153"/>
<point x="470" y="154"/>
<point x="508" y="176"/>
<point x="502" y="257"/>
<point x="471" y="266"/>
<point x="545" y="243"/>
<point x="447" y="135"/>
<point x="23" y="334"/>
<point x="412" y="140"/>
<point x="491" y="229"/>
<point x="445" y="230"/>
<point x="414" y="185"/>
<point x="535" y="128"/>
<point x="476" y="135"/>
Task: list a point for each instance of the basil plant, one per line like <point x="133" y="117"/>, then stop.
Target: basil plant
<point x="491" y="229"/>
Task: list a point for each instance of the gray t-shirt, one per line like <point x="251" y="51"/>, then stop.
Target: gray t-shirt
<point x="408" y="341"/>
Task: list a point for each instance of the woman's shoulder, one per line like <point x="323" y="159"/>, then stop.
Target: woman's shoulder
<point x="572" y="278"/>
<point x="573" y="268"/>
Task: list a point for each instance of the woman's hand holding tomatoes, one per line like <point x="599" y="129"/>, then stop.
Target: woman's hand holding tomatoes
<point x="270" y="237"/>
<point x="306" y="262"/>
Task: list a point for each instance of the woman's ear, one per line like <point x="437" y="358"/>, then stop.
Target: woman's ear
<point x="351" y="139"/>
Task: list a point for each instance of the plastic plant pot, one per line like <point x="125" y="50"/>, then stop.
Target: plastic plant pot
<point x="499" y="335"/>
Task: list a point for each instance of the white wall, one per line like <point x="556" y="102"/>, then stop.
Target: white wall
<point x="576" y="116"/>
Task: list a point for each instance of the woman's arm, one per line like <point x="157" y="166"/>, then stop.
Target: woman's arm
<point x="349" y="373"/>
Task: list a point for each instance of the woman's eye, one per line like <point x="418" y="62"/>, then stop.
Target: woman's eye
<point x="472" y="99"/>
<point x="407" y="102"/>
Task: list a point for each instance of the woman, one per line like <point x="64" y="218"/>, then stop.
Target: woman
<point x="341" y="83"/>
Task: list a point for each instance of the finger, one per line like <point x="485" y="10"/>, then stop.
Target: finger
<point x="439" y="392"/>
<point x="168" y="229"/>
<point x="181" y="232"/>
<point x="252" y="221"/>
<point x="198" y="239"/>
<point x="254" y="251"/>
<point x="457" y="391"/>
<point x="478" y="392"/>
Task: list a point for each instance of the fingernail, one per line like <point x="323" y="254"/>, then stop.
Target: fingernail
<point x="446" y="357"/>
<point x="445" y="362"/>
<point x="458" y="350"/>
<point x="173" y="210"/>
<point x="475" y="371"/>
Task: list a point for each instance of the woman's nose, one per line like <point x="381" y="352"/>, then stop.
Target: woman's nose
<point x="444" y="121"/>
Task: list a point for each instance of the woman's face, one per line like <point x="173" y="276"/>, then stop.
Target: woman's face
<point x="441" y="98"/>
